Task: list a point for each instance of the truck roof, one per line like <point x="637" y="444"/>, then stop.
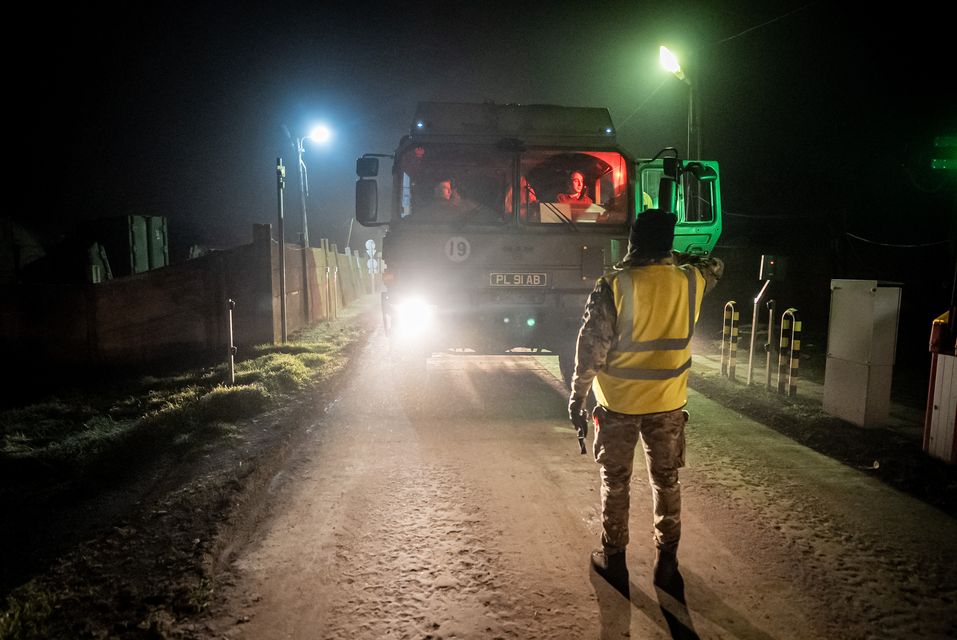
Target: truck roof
<point x="544" y="123"/>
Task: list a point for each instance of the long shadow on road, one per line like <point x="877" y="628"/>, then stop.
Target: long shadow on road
<point x="618" y="596"/>
<point x="669" y="611"/>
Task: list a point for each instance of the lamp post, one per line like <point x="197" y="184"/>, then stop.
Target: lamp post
<point x="320" y="134"/>
<point x="670" y="62"/>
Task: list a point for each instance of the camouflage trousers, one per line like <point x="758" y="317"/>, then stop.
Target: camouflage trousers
<point x="663" y="438"/>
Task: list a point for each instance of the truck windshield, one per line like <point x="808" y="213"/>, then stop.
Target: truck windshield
<point x="456" y="183"/>
<point x="588" y="187"/>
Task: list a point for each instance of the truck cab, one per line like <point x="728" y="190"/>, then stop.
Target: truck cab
<point x="503" y="217"/>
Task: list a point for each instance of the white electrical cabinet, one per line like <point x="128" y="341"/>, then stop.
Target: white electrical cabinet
<point x="942" y="418"/>
<point x="861" y="346"/>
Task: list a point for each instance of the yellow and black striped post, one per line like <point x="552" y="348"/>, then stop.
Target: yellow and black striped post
<point x="790" y="351"/>
<point x="729" y="334"/>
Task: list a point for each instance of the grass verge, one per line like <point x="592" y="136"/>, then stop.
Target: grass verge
<point x="136" y="579"/>
<point x="70" y="435"/>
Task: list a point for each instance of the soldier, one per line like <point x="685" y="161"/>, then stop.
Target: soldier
<point x="634" y="351"/>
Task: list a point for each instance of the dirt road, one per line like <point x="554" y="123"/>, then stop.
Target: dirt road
<point x="467" y="512"/>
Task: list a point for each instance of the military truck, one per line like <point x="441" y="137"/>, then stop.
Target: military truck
<point x="473" y="268"/>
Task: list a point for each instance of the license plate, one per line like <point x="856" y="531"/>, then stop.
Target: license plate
<point x="518" y="279"/>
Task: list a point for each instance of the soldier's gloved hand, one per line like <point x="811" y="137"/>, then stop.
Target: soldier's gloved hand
<point x="579" y="417"/>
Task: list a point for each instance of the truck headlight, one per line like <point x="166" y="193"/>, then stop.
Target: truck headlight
<point x="414" y="315"/>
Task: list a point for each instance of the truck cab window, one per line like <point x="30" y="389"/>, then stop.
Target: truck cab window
<point x="454" y="183"/>
<point x="405" y="196"/>
<point x="697" y="200"/>
<point x="650" y="180"/>
<point x="588" y="187"/>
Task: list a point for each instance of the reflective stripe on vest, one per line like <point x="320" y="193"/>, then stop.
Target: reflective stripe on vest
<point x="648" y="374"/>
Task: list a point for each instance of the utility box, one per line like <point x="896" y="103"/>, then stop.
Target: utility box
<point x="940" y="438"/>
<point x="861" y="347"/>
<point x="134" y="244"/>
<point x="940" y="421"/>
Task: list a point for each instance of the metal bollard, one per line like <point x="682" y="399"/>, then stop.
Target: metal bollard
<point x="729" y="332"/>
<point x="790" y="351"/>
<point x="230" y="307"/>
<point x="754" y="331"/>
<point x="769" y="345"/>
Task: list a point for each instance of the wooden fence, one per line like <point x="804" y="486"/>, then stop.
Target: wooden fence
<point x="181" y="310"/>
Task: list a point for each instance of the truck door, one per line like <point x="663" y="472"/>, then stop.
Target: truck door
<point x="698" y="208"/>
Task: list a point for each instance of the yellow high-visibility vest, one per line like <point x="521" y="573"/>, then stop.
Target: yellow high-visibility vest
<point x="647" y="366"/>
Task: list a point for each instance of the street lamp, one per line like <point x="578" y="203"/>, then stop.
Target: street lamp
<point x="670" y="62"/>
<point x="321" y="135"/>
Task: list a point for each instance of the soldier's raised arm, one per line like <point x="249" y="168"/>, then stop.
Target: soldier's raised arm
<point x="711" y="268"/>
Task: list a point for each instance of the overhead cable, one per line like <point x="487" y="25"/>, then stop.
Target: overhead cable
<point x="898" y="246"/>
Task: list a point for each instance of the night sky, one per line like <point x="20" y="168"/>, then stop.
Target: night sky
<point x="178" y="111"/>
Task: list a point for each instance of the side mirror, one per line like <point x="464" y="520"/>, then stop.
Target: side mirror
<point x="701" y="172"/>
<point x="367" y="167"/>
<point x="367" y="200"/>
<point x="667" y="193"/>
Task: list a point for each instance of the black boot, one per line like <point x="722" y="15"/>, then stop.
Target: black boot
<point x="667" y="577"/>
<point x="612" y="567"/>
<point x="608" y="565"/>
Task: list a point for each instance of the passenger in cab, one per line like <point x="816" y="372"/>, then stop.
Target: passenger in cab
<point x="576" y="192"/>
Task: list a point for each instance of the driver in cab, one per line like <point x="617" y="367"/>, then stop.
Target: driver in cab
<point x="445" y="193"/>
<point x="445" y="203"/>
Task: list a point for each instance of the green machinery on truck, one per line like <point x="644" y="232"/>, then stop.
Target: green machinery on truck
<point x="472" y="268"/>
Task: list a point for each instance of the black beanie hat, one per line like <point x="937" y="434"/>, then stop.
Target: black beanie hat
<point x="652" y="235"/>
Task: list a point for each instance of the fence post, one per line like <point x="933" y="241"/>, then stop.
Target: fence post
<point x="790" y="346"/>
<point x="729" y="332"/>
<point x="327" y="308"/>
<point x="327" y="311"/>
<point x="335" y="290"/>
<point x="231" y="353"/>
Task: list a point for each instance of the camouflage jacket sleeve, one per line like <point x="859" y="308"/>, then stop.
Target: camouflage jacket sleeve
<point x="594" y="338"/>
<point x="711" y="268"/>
